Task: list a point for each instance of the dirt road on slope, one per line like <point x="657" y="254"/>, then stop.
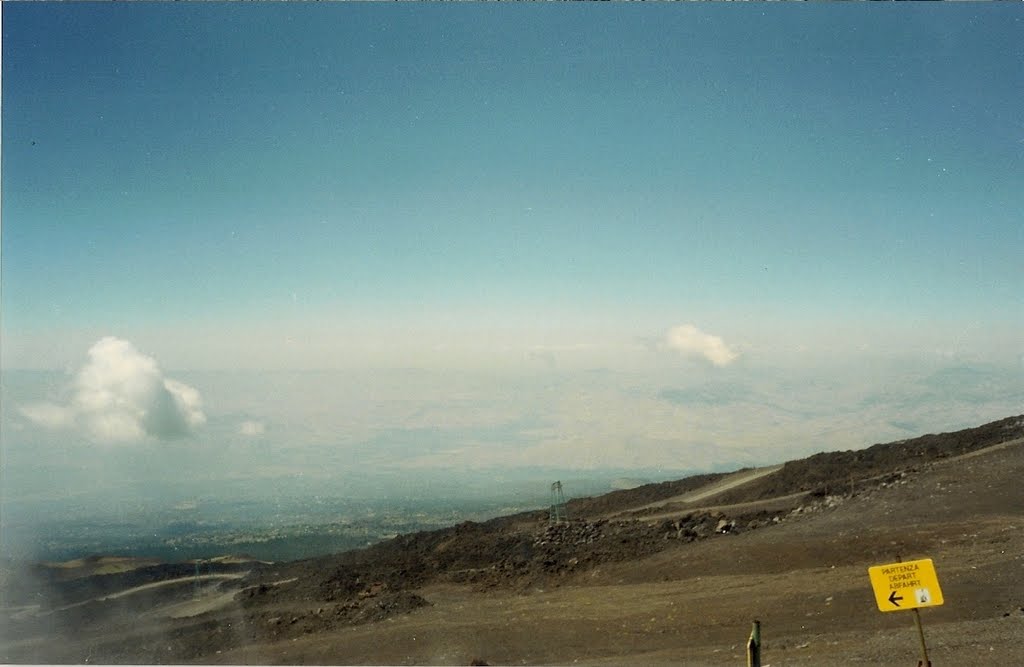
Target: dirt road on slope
<point x="170" y="582"/>
<point x="721" y="486"/>
<point x="730" y="482"/>
<point x="151" y="586"/>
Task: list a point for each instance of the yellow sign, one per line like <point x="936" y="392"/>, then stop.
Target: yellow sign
<point x="906" y="585"/>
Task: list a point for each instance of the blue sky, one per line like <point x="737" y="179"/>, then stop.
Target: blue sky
<point x="818" y="191"/>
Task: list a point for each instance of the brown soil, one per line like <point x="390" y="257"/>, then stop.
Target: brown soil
<point x="682" y="586"/>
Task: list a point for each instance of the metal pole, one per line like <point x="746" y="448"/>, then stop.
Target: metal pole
<point x="754" y="646"/>
<point x="920" y="633"/>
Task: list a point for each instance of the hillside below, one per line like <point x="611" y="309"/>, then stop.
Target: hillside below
<point x="669" y="573"/>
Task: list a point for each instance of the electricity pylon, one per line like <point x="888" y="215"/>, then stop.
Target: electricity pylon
<point x="558" y="513"/>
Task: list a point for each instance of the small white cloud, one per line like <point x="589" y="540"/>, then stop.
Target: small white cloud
<point x="252" y="428"/>
<point x="545" y="358"/>
<point x="692" y="342"/>
<point x="120" y="395"/>
<point x="49" y="415"/>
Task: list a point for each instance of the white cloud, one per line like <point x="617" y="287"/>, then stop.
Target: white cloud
<point x="693" y="342"/>
<point x="252" y="428"/>
<point x="49" y="415"/>
<point x="120" y="395"/>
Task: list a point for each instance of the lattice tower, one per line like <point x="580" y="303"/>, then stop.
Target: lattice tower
<point x="558" y="513"/>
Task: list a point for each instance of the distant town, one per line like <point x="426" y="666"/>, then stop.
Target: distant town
<point x="285" y="529"/>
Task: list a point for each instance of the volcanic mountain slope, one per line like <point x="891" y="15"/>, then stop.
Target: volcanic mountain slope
<point x="670" y="573"/>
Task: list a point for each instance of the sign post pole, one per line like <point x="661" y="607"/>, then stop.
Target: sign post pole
<point x="754" y="646"/>
<point x="920" y="633"/>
